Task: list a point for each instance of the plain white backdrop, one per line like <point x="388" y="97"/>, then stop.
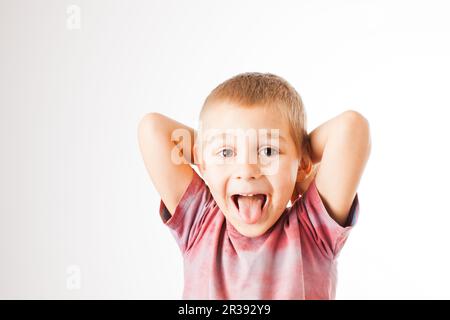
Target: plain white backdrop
<point x="78" y="213"/>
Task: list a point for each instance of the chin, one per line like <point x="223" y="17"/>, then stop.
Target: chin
<point x="252" y="231"/>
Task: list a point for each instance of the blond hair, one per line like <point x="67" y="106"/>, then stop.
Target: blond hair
<point x="268" y="90"/>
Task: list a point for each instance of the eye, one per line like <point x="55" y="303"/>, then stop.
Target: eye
<point x="269" y="151"/>
<point x="226" y="153"/>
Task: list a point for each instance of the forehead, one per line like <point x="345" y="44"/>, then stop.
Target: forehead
<point x="226" y="115"/>
<point x="227" y="123"/>
<point x="212" y="136"/>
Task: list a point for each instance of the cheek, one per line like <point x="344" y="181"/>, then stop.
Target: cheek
<point x="284" y="180"/>
<point x="288" y="172"/>
<point x="216" y="181"/>
<point x="215" y="178"/>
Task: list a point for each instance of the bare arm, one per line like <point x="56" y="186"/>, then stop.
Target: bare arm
<point x="166" y="161"/>
<point x="342" y="146"/>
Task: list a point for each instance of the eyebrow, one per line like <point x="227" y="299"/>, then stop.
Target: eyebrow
<point x="222" y="136"/>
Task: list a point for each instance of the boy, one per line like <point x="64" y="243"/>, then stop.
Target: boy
<point x="239" y="237"/>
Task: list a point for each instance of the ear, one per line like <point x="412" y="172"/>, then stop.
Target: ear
<point x="307" y="165"/>
<point x="304" y="169"/>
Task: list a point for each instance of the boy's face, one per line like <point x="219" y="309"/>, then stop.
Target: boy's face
<point x="246" y="157"/>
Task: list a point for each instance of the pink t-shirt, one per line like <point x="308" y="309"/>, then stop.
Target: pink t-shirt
<point x="293" y="259"/>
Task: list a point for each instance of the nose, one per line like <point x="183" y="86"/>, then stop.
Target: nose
<point x="247" y="171"/>
<point x="246" y="165"/>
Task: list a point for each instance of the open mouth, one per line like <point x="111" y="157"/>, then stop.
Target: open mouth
<point x="235" y="198"/>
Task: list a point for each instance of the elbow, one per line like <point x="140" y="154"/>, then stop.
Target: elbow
<point x="358" y="128"/>
<point x="149" y="121"/>
<point x="151" y="117"/>
<point x="147" y="126"/>
<point x="355" y="118"/>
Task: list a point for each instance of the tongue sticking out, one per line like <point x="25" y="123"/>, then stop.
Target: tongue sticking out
<point x="250" y="207"/>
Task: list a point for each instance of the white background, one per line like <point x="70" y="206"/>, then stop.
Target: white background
<point x="74" y="190"/>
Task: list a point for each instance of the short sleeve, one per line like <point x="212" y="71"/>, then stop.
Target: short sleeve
<point x="188" y="218"/>
<point x="329" y="235"/>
